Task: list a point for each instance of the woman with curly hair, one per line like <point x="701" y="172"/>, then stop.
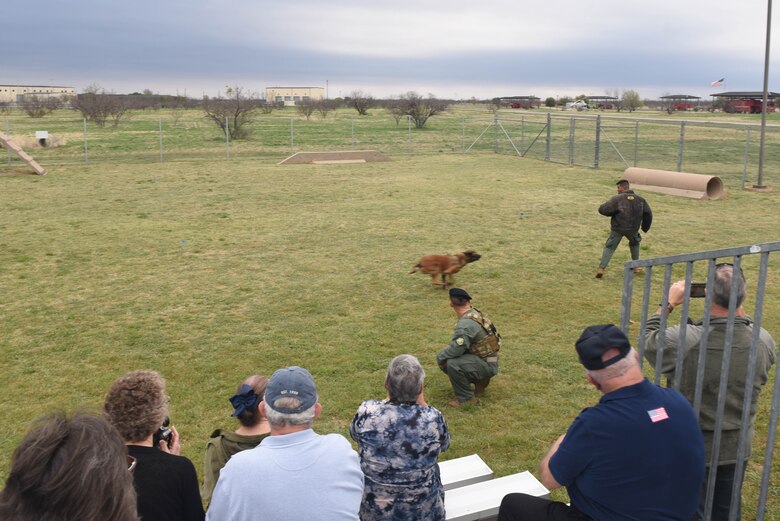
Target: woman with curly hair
<point x="399" y="441"/>
<point x="69" y="469"/>
<point x="253" y="429"/>
<point x="165" y="481"/>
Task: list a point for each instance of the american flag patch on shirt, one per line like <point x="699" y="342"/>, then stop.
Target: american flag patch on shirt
<point x="657" y="415"/>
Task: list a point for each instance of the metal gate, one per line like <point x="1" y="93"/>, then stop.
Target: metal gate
<point x="704" y="265"/>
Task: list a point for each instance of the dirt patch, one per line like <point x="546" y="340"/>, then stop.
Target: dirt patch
<point x="348" y="156"/>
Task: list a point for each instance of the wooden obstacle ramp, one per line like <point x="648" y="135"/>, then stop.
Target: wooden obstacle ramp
<point x="695" y="186"/>
<point x="344" y="157"/>
<point x="8" y="143"/>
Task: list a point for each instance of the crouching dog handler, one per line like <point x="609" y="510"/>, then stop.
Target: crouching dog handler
<point x="472" y="356"/>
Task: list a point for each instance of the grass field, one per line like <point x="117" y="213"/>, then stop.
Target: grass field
<point x="211" y="270"/>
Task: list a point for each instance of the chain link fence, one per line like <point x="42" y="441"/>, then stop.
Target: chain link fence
<point x="701" y="145"/>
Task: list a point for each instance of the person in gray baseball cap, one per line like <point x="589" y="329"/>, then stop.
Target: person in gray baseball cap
<point x="472" y="354"/>
<point x="267" y="482"/>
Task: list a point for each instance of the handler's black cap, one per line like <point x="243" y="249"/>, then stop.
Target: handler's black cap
<point x="597" y="340"/>
<point x="622" y="181"/>
<point x="459" y="293"/>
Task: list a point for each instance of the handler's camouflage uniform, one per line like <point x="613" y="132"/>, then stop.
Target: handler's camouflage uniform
<point x="399" y="446"/>
<point x="461" y="366"/>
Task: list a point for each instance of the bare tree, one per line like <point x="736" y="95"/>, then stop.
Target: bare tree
<point x="494" y="105"/>
<point x="38" y="106"/>
<point x="396" y="109"/>
<point x="233" y="112"/>
<point x="94" y="104"/>
<point x="118" y="108"/>
<point x="323" y="107"/>
<point x="630" y="100"/>
<point x="305" y="108"/>
<point x="265" y="107"/>
<point x="421" y="109"/>
<point x="177" y="108"/>
<point x="361" y="101"/>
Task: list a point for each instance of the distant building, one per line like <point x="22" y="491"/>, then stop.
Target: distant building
<point x="520" y="102"/>
<point x="674" y="102"/>
<point x="293" y="95"/>
<point x="747" y="102"/>
<point x="16" y="93"/>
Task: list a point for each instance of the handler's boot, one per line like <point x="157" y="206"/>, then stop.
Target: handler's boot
<point x="479" y="387"/>
<point x="455" y="403"/>
<point x="600" y="273"/>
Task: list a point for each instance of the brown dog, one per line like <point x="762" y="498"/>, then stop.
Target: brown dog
<point x="445" y="265"/>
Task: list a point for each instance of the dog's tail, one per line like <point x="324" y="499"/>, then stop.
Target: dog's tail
<point x="416" y="267"/>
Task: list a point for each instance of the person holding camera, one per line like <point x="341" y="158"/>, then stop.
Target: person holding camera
<point x="166" y="482"/>
<point x="714" y="337"/>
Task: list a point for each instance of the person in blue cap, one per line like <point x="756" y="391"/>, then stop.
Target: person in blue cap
<point x="471" y="358"/>
<point x="638" y="454"/>
<point x="295" y="473"/>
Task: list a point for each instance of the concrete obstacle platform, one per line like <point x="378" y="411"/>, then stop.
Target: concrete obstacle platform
<point x="325" y="158"/>
<point x="8" y="143"/>
<point x="695" y="186"/>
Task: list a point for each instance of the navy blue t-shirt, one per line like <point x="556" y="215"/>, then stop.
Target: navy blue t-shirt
<point x="637" y="455"/>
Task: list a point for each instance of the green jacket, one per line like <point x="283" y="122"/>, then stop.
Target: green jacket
<point x="740" y="351"/>
<point x="467" y="332"/>
<point x="220" y="448"/>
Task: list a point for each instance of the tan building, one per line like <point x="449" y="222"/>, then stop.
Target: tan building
<point x="293" y="95"/>
<point x="15" y="93"/>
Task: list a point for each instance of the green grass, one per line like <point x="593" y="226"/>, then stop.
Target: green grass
<point x="211" y="270"/>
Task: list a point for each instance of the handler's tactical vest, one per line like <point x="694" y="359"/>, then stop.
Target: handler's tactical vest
<point x="492" y="342"/>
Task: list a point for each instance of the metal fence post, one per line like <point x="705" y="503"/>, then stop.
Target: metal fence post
<point x="8" y="133"/>
<point x="571" y="141"/>
<point x="636" y="141"/>
<point x="495" y="132"/>
<point x="409" y="139"/>
<point x="462" y="135"/>
<point x="161" y="142"/>
<point x="745" y="161"/>
<point x="597" y="150"/>
<point x="86" y="146"/>
<point x="681" y="147"/>
<point x="292" y="136"/>
<point x="227" y="137"/>
<point x="547" y="145"/>
<point x="353" y="133"/>
<point x="522" y="132"/>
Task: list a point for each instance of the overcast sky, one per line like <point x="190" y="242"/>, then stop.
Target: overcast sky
<point x="451" y="48"/>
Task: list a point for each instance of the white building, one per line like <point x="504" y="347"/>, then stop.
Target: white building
<point x="15" y="93"/>
<point x="293" y="95"/>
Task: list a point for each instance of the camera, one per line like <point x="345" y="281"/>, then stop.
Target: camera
<point x="698" y="289"/>
<point x="164" y="433"/>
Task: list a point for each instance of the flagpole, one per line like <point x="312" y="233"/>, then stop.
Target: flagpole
<point x="760" y="181"/>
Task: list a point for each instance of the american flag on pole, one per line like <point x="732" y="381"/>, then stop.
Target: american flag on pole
<point x="718" y="83"/>
<point x="657" y="415"/>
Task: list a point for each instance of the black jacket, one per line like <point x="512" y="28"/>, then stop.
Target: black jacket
<point x="628" y="212"/>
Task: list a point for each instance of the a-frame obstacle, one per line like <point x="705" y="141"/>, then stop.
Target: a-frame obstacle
<point x="8" y="143"/>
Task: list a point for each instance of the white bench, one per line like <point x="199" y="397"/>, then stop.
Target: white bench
<point x="460" y="472"/>
<point x="480" y="501"/>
